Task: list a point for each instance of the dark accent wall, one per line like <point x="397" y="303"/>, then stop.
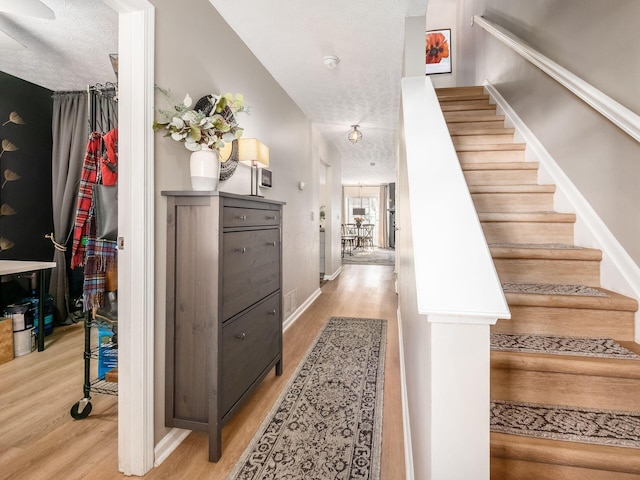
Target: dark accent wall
<point x="26" y="212"/>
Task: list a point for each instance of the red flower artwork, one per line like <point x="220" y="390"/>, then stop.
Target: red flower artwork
<point x="437" y="48"/>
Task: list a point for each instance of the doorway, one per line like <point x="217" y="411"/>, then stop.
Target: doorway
<point x="135" y="244"/>
<point x="367" y="205"/>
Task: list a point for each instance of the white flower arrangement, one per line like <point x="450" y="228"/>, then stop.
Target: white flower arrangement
<point x="209" y="125"/>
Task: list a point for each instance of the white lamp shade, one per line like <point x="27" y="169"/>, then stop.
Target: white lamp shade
<point x="252" y="151"/>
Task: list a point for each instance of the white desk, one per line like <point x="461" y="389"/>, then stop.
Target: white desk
<point x="9" y="267"/>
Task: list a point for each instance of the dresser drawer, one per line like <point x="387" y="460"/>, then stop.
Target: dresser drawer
<point x="249" y="217"/>
<point x="249" y="343"/>
<point x="250" y="268"/>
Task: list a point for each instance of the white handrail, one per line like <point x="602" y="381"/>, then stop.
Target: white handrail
<point x="617" y="113"/>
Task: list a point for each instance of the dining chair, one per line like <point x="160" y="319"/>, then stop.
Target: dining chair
<point x="366" y="235"/>
<point x="349" y="237"/>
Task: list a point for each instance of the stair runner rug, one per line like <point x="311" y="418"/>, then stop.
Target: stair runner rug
<point x="328" y="421"/>
<point x="553" y="289"/>
<point x="585" y="425"/>
<point x="376" y="256"/>
<point x="581" y="346"/>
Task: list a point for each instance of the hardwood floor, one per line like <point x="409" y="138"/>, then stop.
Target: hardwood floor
<point x="39" y="440"/>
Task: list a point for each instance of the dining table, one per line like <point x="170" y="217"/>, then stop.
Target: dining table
<point x="12" y="267"/>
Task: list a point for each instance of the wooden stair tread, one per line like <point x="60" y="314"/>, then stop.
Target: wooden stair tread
<point x="470" y="111"/>
<point x="462" y="129"/>
<point x="467" y="105"/>
<point x="571" y="364"/>
<point x="463" y="90"/>
<point x="469" y="166"/>
<point x="614" y="301"/>
<point x="444" y="97"/>
<point x="452" y="117"/>
<point x="497" y="147"/>
<point x="461" y="93"/>
<point x="600" y="457"/>
<point x="524" y="188"/>
<point x="534" y="217"/>
<point x="575" y="253"/>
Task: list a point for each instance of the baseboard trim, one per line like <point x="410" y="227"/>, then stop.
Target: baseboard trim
<point x="406" y="424"/>
<point x="618" y="271"/>
<point x="168" y="444"/>
<point x="300" y="310"/>
<point x="334" y="276"/>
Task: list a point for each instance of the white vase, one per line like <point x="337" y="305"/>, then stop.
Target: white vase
<point x="205" y="169"/>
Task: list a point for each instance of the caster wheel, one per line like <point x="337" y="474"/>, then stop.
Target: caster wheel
<point x="80" y="414"/>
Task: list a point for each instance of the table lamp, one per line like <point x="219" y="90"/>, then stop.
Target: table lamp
<point x="254" y="153"/>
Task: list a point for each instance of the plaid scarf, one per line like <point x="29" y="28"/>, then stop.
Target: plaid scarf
<point x="88" y="251"/>
<point x="100" y="255"/>
<point x="85" y="194"/>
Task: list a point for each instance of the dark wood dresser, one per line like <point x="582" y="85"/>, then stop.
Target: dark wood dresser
<point x="224" y="305"/>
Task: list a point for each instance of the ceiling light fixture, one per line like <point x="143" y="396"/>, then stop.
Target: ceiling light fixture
<point x="330" y="61"/>
<point x="355" y="135"/>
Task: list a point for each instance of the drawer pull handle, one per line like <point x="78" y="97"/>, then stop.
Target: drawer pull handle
<point x="272" y="217"/>
<point x="272" y="312"/>
<point x="242" y="217"/>
<point x="242" y="336"/>
<point x="242" y="250"/>
<point x="273" y="244"/>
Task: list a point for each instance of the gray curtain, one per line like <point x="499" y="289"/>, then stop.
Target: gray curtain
<point x="70" y="134"/>
<point x="103" y="107"/>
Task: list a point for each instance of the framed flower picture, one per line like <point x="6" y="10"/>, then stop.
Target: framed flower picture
<point x="438" y="51"/>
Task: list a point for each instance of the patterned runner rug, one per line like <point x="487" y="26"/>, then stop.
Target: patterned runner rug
<point x="603" y="427"/>
<point x="553" y="289"/>
<point x="582" y="346"/>
<point x="375" y="256"/>
<point x="328" y="421"/>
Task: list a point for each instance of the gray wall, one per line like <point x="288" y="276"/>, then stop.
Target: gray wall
<point x="597" y="41"/>
<point x="217" y="62"/>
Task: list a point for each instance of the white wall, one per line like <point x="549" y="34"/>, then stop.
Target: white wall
<point x="600" y="159"/>
<point x="227" y="65"/>
<point x="416" y="337"/>
<point x="330" y="196"/>
<point x="443" y="14"/>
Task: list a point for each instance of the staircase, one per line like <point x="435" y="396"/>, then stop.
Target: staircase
<point x="565" y="371"/>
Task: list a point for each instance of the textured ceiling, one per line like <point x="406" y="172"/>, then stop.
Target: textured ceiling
<point x="290" y="38"/>
<point x="67" y="53"/>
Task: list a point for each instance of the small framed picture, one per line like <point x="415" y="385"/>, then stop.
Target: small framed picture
<point x="266" y="178"/>
<point x="438" y="51"/>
